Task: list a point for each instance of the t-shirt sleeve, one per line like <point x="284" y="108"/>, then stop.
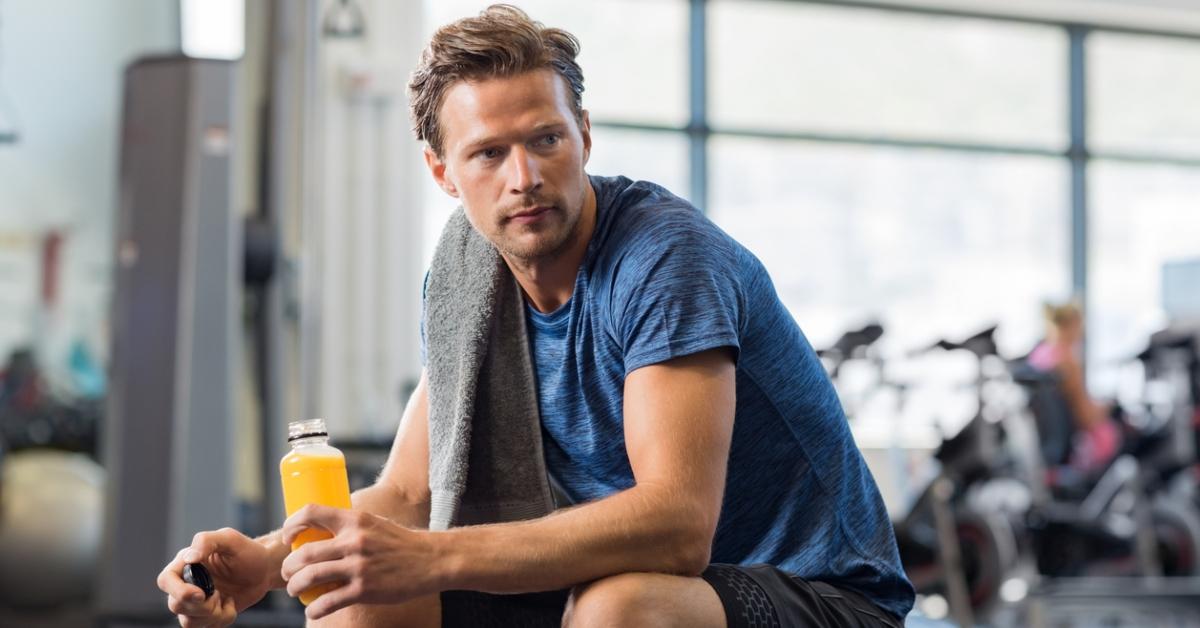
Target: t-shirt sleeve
<point x="677" y="293"/>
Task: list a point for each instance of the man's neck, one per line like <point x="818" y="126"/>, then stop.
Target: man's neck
<point x="548" y="283"/>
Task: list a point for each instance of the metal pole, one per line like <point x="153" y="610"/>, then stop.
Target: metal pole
<point x="1078" y="155"/>
<point x="957" y="595"/>
<point x="698" y="104"/>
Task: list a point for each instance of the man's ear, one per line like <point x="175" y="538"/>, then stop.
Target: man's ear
<point x="437" y="168"/>
<point x="585" y="129"/>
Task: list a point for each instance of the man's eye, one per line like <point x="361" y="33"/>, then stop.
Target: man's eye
<point x="550" y="140"/>
<point x="489" y="153"/>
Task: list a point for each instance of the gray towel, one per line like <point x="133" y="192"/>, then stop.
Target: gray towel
<point x="485" y="440"/>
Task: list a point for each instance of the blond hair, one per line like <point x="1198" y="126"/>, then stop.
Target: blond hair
<point x="1059" y="315"/>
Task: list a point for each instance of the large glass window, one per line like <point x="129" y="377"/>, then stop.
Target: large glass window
<point x="1144" y="94"/>
<point x="658" y="156"/>
<point x="933" y="243"/>
<point x="1144" y="99"/>
<point x="1144" y="217"/>
<point x="930" y="243"/>
<point x="797" y="66"/>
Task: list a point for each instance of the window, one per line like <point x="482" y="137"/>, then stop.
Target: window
<point x="930" y="243"/>
<point x="1144" y="94"/>
<point x="658" y="156"/>
<point x="1144" y="216"/>
<point x="801" y="67"/>
<point x="937" y="201"/>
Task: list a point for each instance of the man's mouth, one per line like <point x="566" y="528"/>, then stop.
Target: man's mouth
<point x="530" y="215"/>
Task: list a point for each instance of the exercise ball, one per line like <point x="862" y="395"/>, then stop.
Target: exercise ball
<point x="51" y="507"/>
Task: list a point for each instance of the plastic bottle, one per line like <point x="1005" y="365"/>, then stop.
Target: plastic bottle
<point x="313" y="472"/>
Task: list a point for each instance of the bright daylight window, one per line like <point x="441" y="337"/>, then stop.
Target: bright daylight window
<point x="930" y="242"/>
<point x="793" y="66"/>
<point x="1145" y="215"/>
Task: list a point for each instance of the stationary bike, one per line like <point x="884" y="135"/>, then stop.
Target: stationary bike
<point x="1118" y="520"/>
<point x="949" y="544"/>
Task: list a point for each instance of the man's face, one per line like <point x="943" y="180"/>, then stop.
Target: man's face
<point x="513" y="154"/>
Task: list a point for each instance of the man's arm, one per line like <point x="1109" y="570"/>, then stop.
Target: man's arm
<point x="678" y="427"/>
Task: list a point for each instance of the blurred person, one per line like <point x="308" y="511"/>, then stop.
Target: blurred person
<point x="1095" y="438"/>
<point x="708" y="473"/>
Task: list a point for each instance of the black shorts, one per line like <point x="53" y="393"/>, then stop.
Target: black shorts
<point x="756" y="596"/>
<point x="761" y="596"/>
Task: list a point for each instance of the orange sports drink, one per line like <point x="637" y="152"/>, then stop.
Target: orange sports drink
<point x="313" y="472"/>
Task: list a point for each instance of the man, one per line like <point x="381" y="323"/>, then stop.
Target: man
<point x="682" y="411"/>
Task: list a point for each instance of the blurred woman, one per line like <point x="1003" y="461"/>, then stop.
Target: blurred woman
<point x="1097" y="437"/>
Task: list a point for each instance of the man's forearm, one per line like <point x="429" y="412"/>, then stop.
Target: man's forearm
<point x="642" y="529"/>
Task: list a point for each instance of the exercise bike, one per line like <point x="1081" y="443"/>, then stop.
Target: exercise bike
<point x="949" y="544"/>
<point x="1119" y="520"/>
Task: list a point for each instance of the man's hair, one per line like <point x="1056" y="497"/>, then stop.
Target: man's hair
<point x="500" y="42"/>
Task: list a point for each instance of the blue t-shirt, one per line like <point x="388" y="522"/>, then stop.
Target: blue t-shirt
<point x="660" y="281"/>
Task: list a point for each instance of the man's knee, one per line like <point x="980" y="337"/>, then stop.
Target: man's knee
<point x="622" y="600"/>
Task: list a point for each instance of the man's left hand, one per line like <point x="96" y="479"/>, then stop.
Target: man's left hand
<point x="374" y="560"/>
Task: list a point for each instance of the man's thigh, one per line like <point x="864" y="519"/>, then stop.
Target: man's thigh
<point x="423" y="612"/>
<point x="644" y="599"/>
<point x="626" y="600"/>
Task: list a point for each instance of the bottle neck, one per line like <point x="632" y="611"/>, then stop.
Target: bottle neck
<point x="309" y="441"/>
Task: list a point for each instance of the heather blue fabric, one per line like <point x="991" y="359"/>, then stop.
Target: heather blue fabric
<point x="661" y="281"/>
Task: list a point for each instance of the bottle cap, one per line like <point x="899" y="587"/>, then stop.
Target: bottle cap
<point x="306" y="429"/>
<point x="196" y="575"/>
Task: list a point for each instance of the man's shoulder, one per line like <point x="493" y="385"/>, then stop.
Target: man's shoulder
<point x="645" y="220"/>
<point x="625" y="198"/>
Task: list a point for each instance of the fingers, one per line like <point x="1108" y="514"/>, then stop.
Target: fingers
<point x="309" y="553"/>
<point x="319" y="573"/>
<point x="170" y="581"/>
<point x="228" y="611"/>
<point x="192" y="608"/>
<point x="333" y="601"/>
<point x="188" y="601"/>
<point x="215" y="611"/>
<point x="315" y="516"/>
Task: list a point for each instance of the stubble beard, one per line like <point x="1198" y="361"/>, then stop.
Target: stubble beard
<point x="547" y="247"/>
<point x="550" y="246"/>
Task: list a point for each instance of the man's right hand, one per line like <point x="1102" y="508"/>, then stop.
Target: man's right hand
<point x="241" y="570"/>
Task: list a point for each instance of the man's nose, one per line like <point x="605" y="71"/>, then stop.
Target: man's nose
<point x="524" y="174"/>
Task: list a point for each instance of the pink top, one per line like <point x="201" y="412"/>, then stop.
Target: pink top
<point x="1046" y="356"/>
